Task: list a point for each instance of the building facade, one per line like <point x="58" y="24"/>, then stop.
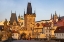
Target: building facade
<point x="59" y="32"/>
<point x="28" y="25"/>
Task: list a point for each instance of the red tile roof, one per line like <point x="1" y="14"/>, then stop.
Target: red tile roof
<point x="38" y="24"/>
<point x="43" y="24"/>
<point x="47" y="25"/>
<point x="13" y="31"/>
<point x="60" y="23"/>
<point x="59" y="30"/>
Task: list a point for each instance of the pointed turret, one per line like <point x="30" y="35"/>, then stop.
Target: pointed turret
<point x="5" y="22"/>
<point x="13" y="17"/>
<point x="51" y="15"/>
<point x="59" y="17"/>
<point x="34" y="12"/>
<point x="24" y="11"/>
<point x="5" y="25"/>
<point x="5" y="19"/>
<point x="55" y="13"/>
<point x="29" y="8"/>
<point x="19" y="16"/>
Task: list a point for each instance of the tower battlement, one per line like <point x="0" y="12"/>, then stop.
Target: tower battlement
<point x="30" y="15"/>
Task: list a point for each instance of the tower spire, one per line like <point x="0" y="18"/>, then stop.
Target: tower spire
<point x="24" y="11"/>
<point x="29" y="8"/>
<point x="55" y="13"/>
<point x="51" y="15"/>
<point x="59" y="17"/>
<point x="19" y="16"/>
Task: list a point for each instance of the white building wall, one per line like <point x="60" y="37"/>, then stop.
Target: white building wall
<point x="47" y="31"/>
<point x="59" y="35"/>
<point x="15" y="36"/>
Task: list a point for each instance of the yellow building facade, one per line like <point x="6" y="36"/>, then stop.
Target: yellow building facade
<point x="30" y="25"/>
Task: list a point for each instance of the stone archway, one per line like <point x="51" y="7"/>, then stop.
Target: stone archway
<point x="23" y="35"/>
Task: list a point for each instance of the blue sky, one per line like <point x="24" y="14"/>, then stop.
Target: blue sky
<point x="43" y="8"/>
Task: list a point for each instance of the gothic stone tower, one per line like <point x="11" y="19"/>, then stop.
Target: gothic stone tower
<point x="55" y="17"/>
<point x="13" y="17"/>
<point x="29" y="18"/>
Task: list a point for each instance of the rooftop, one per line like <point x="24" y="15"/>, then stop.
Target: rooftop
<point x="59" y="30"/>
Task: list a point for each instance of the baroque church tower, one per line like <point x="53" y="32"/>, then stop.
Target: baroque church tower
<point x="29" y="18"/>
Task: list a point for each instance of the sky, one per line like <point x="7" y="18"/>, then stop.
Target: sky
<point x="42" y="8"/>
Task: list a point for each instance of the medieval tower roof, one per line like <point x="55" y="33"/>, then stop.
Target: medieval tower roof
<point x="29" y="8"/>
